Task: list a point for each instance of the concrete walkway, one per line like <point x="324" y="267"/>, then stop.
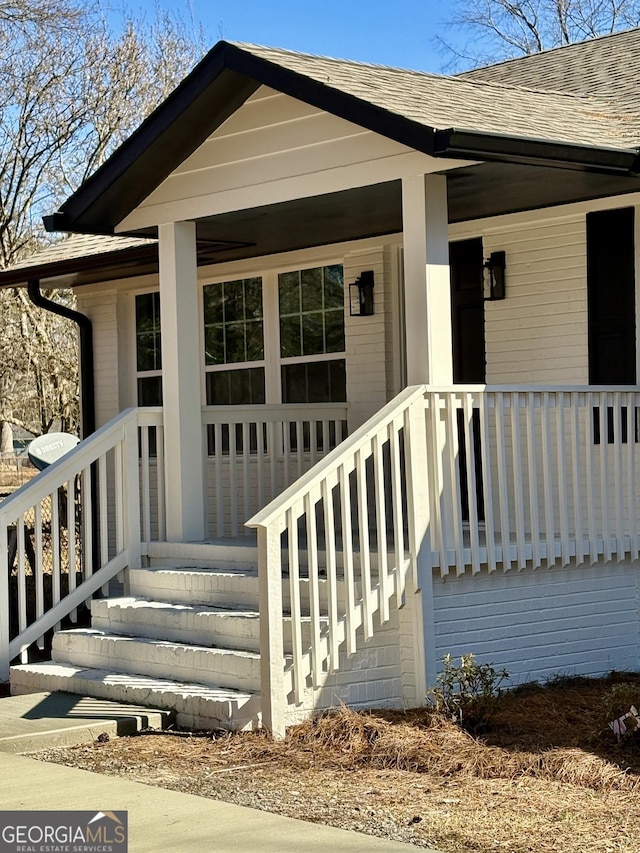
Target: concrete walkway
<point x="161" y="820"/>
<point x="45" y="720"/>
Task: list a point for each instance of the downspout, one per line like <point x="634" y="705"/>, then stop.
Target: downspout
<point x="87" y="385"/>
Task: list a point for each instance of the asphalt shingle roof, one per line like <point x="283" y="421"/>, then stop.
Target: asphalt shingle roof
<point x="607" y="67"/>
<point x="503" y="103"/>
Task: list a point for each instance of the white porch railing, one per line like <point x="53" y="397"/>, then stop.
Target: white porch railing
<point x="463" y="476"/>
<point x="533" y="475"/>
<point x="74" y="527"/>
<point x="252" y="453"/>
<point x="363" y="507"/>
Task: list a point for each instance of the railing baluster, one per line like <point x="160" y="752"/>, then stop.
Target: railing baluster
<point x="455" y="500"/>
<point x="145" y="490"/>
<point x="396" y="504"/>
<point x="119" y="509"/>
<point x="314" y="588"/>
<point x="260" y="438"/>
<point x="384" y="581"/>
<point x="563" y="499"/>
<point x="332" y="576"/>
<point x="547" y="480"/>
<point x="325" y="437"/>
<point x="434" y="454"/>
<point x="631" y="476"/>
<point x="347" y="557"/>
<point x="296" y="608"/>
<point x="87" y="523"/>
<point x="589" y="415"/>
<point x="233" y="497"/>
<point x="246" y="460"/>
<point x="577" y="484"/>
<point x="503" y="494"/>
<point x="104" y="516"/>
<point x="300" y="446"/>
<point x="363" y="543"/>
<point x="518" y="482"/>
<point x="162" y="532"/>
<point x="38" y="569"/>
<point x="604" y="473"/>
<point x="272" y="451"/>
<point x="22" y="582"/>
<point x="487" y="484"/>
<point x="472" y="501"/>
<point x="71" y="537"/>
<point x="617" y="482"/>
<point x="532" y="467"/>
<point x="286" y="461"/>
<point x="219" y="458"/>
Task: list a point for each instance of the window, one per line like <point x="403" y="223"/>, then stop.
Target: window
<point x="311" y="311"/>
<point x="234" y="342"/>
<point x="148" y="352"/>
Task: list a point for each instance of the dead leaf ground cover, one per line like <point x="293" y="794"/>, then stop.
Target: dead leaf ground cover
<point x="544" y="774"/>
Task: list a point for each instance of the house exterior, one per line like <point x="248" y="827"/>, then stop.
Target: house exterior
<point x="371" y="398"/>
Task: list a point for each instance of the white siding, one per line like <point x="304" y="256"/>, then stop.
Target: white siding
<point x="100" y="308"/>
<point x="543" y="623"/>
<point x="538" y="334"/>
<point x="366" y="340"/>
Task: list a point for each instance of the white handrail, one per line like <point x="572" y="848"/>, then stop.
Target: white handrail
<point x="349" y="489"/>
<point x="66" y="509"/>
<point x="332" y="461"/>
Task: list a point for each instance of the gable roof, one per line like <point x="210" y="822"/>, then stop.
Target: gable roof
<point x="461" y="117"/>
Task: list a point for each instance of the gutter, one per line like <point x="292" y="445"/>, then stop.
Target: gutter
<point x="478" y="145"/>
<point x="87" y="384"/>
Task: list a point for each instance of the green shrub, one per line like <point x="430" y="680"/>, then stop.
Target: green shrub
<point x="467" y="691"/>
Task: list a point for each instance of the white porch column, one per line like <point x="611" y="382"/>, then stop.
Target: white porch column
<point x="181" y="370"/>
<point x="427" y="300"/>
<point x="427" y="288"/>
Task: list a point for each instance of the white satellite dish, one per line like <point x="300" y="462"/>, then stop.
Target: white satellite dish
<point x="47" y="449"/>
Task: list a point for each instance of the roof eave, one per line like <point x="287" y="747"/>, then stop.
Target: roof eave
<point x="472" y="144"/>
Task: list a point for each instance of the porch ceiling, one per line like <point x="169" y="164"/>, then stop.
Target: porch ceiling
<point x="475" y="192"/>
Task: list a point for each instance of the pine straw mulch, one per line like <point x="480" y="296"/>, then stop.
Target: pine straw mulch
<point x="544" y="775"/>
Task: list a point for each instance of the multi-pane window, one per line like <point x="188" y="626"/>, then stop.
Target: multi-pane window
<point x="234" y="342"/>
<point x="311" y="310"/>
<point x="148" y="352"/>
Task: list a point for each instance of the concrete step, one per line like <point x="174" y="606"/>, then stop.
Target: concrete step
<point x="214" y="667"/>
<point x="183" y="623"/>
<point x="235" y="586"/>
<point x="196" y="706"/>
<point x="187" y="623"/>
<point x="49" y="720"/>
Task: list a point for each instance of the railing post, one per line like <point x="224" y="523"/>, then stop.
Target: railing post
<point x="131" y="481"/>
<point x="419" y="518"/>
<point x="271" y="643"/>
<point x="5" y="594"/>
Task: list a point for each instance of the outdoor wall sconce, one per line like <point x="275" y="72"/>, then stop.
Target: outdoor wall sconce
<point x="495" y="267"/>
<point x="361" y="295"/>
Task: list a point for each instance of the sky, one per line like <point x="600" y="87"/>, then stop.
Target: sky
<point x="402" y="33"/>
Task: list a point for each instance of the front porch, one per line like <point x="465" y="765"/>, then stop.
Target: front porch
<point x="461" y="480"/>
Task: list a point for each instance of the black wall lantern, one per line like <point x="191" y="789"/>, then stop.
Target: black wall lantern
<point x="361" y="295"/>
<point x="496" y="266"/>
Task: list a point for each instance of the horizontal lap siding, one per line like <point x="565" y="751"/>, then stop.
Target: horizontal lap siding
<point x="100" y="308"/>
<point x="541" y="624"/>
<point x="271" y="137"/>
<point x="538" y="334"/>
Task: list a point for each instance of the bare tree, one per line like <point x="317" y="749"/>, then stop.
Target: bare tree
<point x="504" y="29"/>
<point x="71" y="90"/>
